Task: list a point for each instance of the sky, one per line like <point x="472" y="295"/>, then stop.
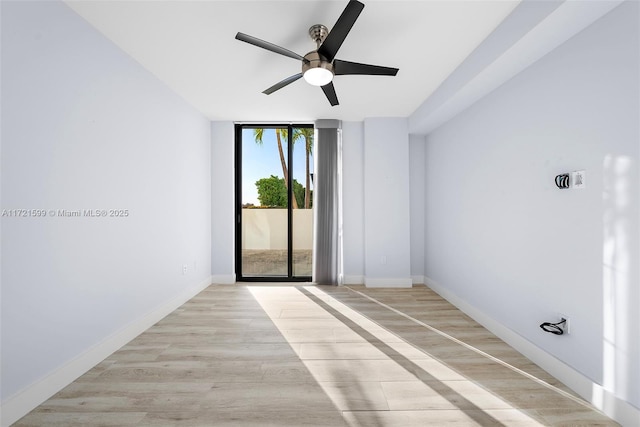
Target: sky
<point x="263" y="161"/>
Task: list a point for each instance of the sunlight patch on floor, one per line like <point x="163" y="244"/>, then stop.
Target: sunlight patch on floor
<point x="355" y="365"/>
<point x="479" y="352"/>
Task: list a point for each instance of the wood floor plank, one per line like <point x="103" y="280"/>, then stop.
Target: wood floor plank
<point x="282" y="355"/>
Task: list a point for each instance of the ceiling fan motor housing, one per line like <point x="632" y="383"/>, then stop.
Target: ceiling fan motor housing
<point x="315" y="60"/>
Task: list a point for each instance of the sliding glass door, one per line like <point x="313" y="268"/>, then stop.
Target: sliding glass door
<point x="274" y="202"/>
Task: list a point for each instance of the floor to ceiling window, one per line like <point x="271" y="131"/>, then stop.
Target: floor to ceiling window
<point x="274" y="202"/>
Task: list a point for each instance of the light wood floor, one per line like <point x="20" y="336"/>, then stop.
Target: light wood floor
<point x="267" y="355"/>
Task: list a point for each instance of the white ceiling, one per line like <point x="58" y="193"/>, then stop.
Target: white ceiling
<point x="190" y="46"/>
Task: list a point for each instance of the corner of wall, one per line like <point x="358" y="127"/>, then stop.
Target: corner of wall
<point x="223" y="201"/>
<point x="21" y="403"/>
<point x="612" y="406"/>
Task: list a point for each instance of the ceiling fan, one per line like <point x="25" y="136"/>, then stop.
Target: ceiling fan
<point x="320" y="66"/>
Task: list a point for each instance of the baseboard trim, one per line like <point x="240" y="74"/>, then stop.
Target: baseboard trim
<point x="612" y="406"/>
<point x="388" y="282"/>
<point x="21" y="403"/>
<point x="223" y="279"/>
<point x="417" y="280"/>
<point x="353" y="280"/>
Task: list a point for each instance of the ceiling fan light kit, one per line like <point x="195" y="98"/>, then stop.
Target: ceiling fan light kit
<point x="320" y="66"/>
<point x="316" y="70"/>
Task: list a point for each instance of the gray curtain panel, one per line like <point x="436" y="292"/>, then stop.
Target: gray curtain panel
<point x="327" y="204"/>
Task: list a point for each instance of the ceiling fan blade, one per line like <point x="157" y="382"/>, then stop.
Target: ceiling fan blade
<point x="342" y="68"/>
<point x="282" y="84"/>
<point x="339" y="32"/>
<point x="268" y="46"/>
<point x="330" y="92"/>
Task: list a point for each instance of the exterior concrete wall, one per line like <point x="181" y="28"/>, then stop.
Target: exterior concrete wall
<point x="267" y="229"/>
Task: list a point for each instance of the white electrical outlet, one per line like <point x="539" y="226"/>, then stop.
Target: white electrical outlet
<point x="184" y="269"/>
<point x="578" y="179"/>
<point x="567" y="325"/>
<point x="383" y="260"/>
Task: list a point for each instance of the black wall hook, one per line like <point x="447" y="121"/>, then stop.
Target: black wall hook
<point x="554" y="328"/>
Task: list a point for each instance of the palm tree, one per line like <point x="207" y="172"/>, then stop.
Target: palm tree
<point x="307" y="134"/>
<point x="258" y="133"/>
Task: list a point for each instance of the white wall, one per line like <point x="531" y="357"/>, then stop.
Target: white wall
<point x="85" y="127"/>
<point x="530" y="250"/>
<point x="416" y="205"/>
<point x="386" y="203"/>
<point x="378" y="199"/>
<point x="353" y="201"/>
<point x="223" y="198"/>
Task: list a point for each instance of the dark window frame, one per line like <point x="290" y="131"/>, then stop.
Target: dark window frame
<point x="239" y="127"/>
